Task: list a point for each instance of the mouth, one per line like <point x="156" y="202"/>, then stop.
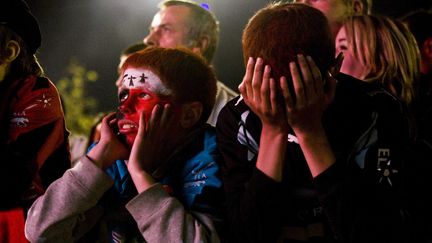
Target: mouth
<point x="127" y="126"/>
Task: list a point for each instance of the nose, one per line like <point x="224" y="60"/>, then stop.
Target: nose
<point x="127" y="107"/>
<point x="151" y="39"/>
<point x="124" y="109"/>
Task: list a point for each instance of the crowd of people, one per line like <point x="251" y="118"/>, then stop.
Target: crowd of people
<point x="328" y="138"/>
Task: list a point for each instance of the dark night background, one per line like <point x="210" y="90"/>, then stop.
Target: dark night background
<point x="95" y="31"/>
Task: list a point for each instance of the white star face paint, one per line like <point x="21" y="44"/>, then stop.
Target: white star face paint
<point x="140" y="92"/>
<point x="134" y="78"/>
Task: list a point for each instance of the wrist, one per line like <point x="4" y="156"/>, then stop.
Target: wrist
<point x="316" y="135"/>
<point x="97" y="156"/>
<point x="142" y="180"/>
<point x="93" y="161"/>
<point x="273" y="131"/>
<point x="312" y="131"/>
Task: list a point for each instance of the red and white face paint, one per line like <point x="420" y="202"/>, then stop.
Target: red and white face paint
<point x="139" y="92"/>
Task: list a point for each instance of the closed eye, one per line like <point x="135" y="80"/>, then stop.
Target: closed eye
<point x="342" y="45"/>
<point x="342" y="48"/>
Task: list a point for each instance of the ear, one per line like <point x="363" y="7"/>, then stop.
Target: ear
<point x="358" y="7"/>
<point x="201" y="45"/>
<point x="12" y="51"/>
<point x="191" y="113"/>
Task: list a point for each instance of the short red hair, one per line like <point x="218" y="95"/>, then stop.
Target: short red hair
<point x="278" y="32"/>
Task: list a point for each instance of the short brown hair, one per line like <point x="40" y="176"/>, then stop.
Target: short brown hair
<point x="180" y="70"/>
<point x="280" y="31"/>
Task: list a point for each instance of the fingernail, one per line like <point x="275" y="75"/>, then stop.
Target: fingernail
<point x="250" y="60"/>
<point x="259" y="60"/>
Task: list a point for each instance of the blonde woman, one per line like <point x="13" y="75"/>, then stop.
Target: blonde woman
<point x="378" y="49"/>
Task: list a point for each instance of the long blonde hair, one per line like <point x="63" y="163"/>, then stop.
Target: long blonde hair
<point x="388" y="50"/>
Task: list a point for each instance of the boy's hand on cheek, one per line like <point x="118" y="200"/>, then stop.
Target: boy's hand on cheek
<point x="109" y="148"/>
<point x="150" y="143"/>
<point x="149" y="146"/>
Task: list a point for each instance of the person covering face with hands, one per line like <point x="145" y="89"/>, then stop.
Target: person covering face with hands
<point x="300" y="147"/>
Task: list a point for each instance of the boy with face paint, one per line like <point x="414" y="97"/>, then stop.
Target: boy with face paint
<point x="161" y="183"/>
<point x="141" y="90"/>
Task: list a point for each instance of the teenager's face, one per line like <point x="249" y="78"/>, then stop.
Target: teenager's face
<point x="140" y="91"/>
<point x="350" y="64"/>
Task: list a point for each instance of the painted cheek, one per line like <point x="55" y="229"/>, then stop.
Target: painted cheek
<point x="144" y="105"/>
